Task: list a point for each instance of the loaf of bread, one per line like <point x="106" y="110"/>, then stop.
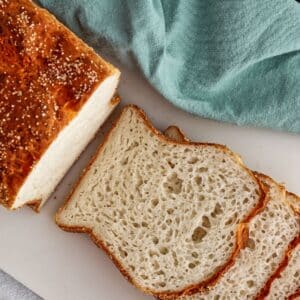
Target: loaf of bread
<point x="169" y="214"/>
<point x="55" y="92"/>
<point x="280" y="274"/>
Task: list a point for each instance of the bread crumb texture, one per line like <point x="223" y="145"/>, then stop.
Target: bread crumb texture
<point x="288" y="282"/>
<point x="46" y="75"/>
<point x="270" y="233"/>
<point x="168" y="213"/>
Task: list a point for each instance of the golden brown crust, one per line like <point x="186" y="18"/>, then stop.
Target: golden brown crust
<point x="266" y="289"/>
<point x="46" y="75"/>
<point x="115" y="100"/>
<point x="296" y="198"/>
<point x="295" y="296"/>
<point x="241" y="229"/>
<point x="35" y="205"/>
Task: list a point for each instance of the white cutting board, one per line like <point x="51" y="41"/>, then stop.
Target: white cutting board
<point x="66" y="266"/>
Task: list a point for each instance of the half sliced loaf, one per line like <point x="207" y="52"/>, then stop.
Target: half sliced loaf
<point x="55" y="92"/>
<point x="289" y="281"/>
<point x="169" y="214"/>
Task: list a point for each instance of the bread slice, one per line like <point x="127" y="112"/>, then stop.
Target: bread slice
<point x="287" y="285"/>
<point x="271" y="234"/>
<point x="55" y="92"/>
<point x="287" y="282"/>
<point x="169" y="214"/>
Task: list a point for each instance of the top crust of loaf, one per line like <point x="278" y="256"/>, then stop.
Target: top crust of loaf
<point x="241" y="237"/>
<point x="46" y="76"/>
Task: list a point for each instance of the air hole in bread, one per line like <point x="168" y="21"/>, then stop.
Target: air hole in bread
<point x="198" y="234"/>
<point x="160" y="272"/>
<point x="192" y="265"/>
<point x="198" y="180"/>
<point x="170" y="211"/>
<point x="206" y="222"/>
<point x="173" y="184"/>
<point x="164" y="250"/>
<point x="201" y="198"/>
<point x="202" y="170"/>
<point x="193" y="160"/>
<point x="154" y="202"/>
<point x="246" y="200"/>
<point x="155" y="240"/>
<point x="122" y="252"/>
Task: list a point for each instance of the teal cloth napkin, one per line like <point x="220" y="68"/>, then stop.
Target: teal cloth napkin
<point x="230" y="60"/>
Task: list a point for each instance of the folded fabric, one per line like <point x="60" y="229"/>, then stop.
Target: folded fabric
<point x="236" y="61"/>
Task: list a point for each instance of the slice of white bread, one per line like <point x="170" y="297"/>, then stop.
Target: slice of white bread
<point x="169" y="214"/>
<point x="55" y="92"/>
<point x="287" y="283"/>
<point x="287" y="286"/>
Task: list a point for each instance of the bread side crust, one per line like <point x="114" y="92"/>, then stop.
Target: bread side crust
<point x="241" y="233"/>
<point x="295" y="296"/>
<point x="11" y="184"/>
<point x="296" y="198"/>
<point x="180" y="135"/>
<point x="266" y="289"/>
<point x="35" y="205"/>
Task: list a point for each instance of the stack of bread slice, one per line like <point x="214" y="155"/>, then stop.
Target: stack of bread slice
<point x="269" y="266"/>
<point x="185" y="220"/>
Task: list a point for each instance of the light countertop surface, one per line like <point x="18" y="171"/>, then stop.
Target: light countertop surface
<point x="65" y="266"/>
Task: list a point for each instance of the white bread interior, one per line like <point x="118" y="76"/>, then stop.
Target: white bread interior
<point x="66" y="148"/>
<point x="167" y="213"/>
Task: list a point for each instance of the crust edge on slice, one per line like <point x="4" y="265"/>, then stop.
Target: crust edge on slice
<point x="241" y="234"/>
<point x="295" y="203"/>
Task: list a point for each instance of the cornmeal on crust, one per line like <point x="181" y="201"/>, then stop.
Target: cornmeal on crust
<point x="170" y="215"/>
<point x="55" y="92"/>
